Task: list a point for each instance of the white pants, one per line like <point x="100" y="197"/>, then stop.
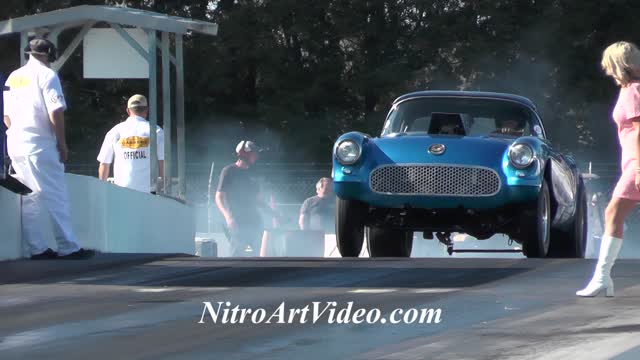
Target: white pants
<point x="43" y="173"/>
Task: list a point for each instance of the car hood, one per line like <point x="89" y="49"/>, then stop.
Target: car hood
<point x="481" y="151"/>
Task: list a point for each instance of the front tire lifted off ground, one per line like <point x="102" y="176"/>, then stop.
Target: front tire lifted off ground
<point x="350" y="215"/>
<point x="537" y="226"/>
<point x="572" y="244"/>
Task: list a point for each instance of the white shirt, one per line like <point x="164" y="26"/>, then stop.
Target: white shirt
<point x="34" y="92"/>
<point x="129" y="142"/>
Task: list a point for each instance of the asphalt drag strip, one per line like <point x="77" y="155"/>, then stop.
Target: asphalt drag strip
<point x="154" y="307"/>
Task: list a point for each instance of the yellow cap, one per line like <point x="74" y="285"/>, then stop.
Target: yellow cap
<point x="137" y="101"/>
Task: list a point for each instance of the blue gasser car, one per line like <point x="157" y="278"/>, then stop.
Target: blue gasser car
<point x="457" y="162"/>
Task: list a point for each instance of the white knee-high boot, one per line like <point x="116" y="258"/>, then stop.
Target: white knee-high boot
<point x="609" y="249"/>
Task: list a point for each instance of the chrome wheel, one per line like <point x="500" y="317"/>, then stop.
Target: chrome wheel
<point x="537" y="226"/>
<point x="544" y="224"/>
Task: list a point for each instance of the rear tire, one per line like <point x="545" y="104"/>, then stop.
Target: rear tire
<point x="383" y="242"/>
<point x="536" y="234"/>
<point x="350" y="215"/>
<point x="573" y="244"/>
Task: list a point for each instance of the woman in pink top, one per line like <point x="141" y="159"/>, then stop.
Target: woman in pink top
<point x="621" y="61"/>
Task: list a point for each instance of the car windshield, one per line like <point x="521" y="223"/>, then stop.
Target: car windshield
<point x="460" y="116"/>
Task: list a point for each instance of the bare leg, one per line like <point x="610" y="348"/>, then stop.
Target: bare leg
<point x="615" y="214"/>
<point x="265" y="244"/>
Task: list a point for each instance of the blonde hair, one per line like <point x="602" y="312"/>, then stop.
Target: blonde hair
<point x="621" y="61"/>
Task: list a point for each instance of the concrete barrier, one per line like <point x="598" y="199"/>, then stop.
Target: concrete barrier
<point x="109" y="218"/>
<point x="10" y="245"/>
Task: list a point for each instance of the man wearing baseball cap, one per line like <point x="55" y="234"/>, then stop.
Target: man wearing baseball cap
<point x="128" y="143"/>
<point x="238" y="199"/>
<point x="34" y="115"/>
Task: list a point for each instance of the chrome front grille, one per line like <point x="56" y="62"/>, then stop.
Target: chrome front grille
<point x="441" y="180"/>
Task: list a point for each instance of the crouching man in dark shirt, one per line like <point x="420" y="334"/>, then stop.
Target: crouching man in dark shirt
<point x="318" y="212"/>
<point x="238" y="199"/>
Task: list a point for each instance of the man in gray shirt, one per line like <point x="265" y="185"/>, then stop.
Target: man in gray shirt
<point x="318" y="212"/>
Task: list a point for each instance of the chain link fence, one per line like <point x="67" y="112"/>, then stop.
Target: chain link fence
<point x="287" y="184"/>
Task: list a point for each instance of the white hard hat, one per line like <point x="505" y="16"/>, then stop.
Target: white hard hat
<point x="247" y="146"/>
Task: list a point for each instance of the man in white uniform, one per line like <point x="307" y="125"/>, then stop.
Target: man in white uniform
<point x="34" y="116"/>
<point x="129" y="143"/>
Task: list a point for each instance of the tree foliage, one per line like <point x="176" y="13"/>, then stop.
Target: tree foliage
<point x="296" y="74"/>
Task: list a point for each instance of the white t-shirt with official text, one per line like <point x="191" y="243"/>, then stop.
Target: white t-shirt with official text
<point x="34" y="91"/>
<point x="128" y="143"/>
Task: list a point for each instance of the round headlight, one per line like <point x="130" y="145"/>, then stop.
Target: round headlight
<point x="521" y="155"/>
<point x="348" y="152"/>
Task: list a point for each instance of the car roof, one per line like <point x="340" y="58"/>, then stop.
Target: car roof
<point x="474" y="94"/>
